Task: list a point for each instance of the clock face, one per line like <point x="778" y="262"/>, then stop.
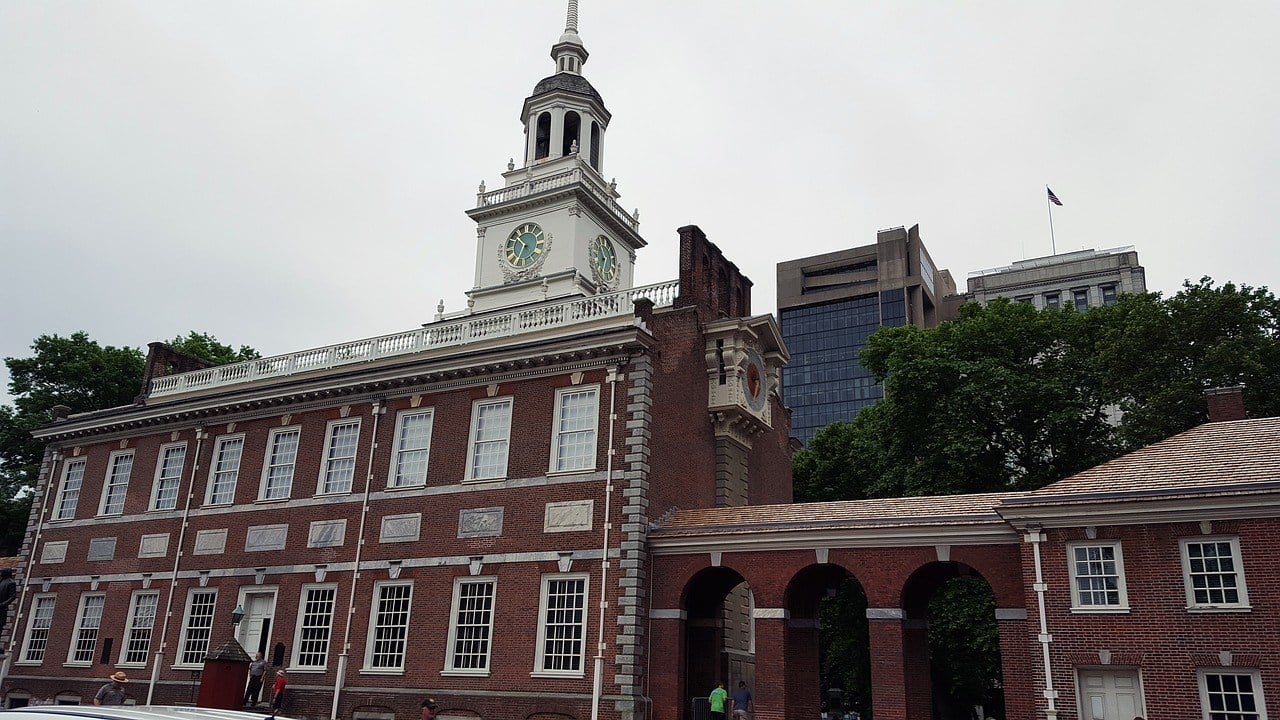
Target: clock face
<point x="525" y="245"/>
<point x="604" y="259"/>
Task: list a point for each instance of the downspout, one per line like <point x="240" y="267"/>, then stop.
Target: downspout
<point x="1035" y="537"/>
<point x="177" y="558"/>
<point x="31" y="561"/>
<point x="377" y="412"/>
<point x="597" y="681"/>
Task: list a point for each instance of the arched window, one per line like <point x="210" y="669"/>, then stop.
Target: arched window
<point x="572" y="122"/>
<point x="542" y="140"/>
<point x="595" y="145"/>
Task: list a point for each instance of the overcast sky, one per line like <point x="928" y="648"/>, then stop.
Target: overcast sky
<point x="294" y="174"/>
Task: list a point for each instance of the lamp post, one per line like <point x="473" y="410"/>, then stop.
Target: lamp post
<point x="236" y="616"/>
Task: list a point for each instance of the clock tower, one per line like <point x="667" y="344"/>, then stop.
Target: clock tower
<point x="555" y="229"/>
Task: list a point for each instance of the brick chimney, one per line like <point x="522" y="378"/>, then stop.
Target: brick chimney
<point x="1225" y="403"/>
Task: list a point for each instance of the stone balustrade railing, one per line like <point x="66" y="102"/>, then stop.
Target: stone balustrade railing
<point x="430" y="337"/>
<point x="552" y="182"/>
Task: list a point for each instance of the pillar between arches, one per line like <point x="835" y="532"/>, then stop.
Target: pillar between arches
<point x="557" y="134"/>
<point x="1016" y="663"/>
<point x="888" y="669"/>
<point x="667" y="674"/>
<point x="769" y="696"/>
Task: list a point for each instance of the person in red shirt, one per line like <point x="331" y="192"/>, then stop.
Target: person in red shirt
<point x="277" y="692"/>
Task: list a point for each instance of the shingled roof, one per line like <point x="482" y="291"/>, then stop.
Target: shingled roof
<point x="849" y="514"/>
<point x="1219" y="458"/>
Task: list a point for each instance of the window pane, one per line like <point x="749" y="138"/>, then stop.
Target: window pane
<point x="226" y="469"/>
<point x="412" y="446"/>
<point x="576" y="432"/>
<point x="391" y="627"/>
<point x="314" y="627"/>
<point x="473" y="619"/>
<point x="1097" y="575"/>
<point x="491" y="430"/>
<point x="279" y="475"/>
<point x="1212" y="572"/>
<point x="38" y="630"/>
<point x="564" y="624"/>
<point x="168" y="477"/>
<point x="69" y="497"/>
<point x="340" y="464"/>
<point x="141" y="620"/>
<point x="86" y="637"/>
<point x="1231" y="696"/>
<point x="199" y="626"/>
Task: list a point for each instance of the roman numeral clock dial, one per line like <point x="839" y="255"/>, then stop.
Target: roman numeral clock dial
<point x="525" y="246"/>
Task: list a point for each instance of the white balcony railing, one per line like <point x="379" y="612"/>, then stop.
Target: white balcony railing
<point x="553" y="182"/>
<point x="430" y="337"/>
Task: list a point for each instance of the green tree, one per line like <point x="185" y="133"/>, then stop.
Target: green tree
<point x="206" y="346"/>
<point x="964" y="644"/>
<point x="77" y="372"/>
<point x="846" y="652"/>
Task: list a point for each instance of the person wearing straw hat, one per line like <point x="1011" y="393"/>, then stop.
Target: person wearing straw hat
<point x="113" y="692"/>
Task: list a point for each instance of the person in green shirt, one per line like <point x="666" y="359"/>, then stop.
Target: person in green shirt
<point x="717" y="699"/>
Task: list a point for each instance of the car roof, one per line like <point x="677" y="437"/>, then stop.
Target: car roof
<point x="129" y="712"/>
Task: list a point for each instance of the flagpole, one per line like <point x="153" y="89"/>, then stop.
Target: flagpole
<point x="1053" y="243"/>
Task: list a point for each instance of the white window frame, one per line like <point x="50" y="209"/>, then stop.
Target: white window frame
<point x="61" y="510"/>
<point x="185" y="635"/>
<point x="1242" y="605"/>
<point x="450" y="652"/>
<point x="509" y="401"/>
<point x="111" y="488"/>
<point x="79" y="631"/>
<point x="131" y="627"/>
<point x="322" y="484"/>
<point x="1203" y="681"/>
<point x="269" y="457"/>
<point x="558" y="434"/>
<point x="1076" y="605"/>
<point x="160" y="477"/>
<point x="393" y="474"/>
<point x="45" y="627"/>
<point x="370" y="638"/>
<point x="300" y="626"/>
<point x="214" y="461"/>
<point x="539" y="667"/>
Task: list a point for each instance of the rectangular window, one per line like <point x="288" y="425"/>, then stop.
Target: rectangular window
<point x="225" y="470"/>
<point x="562" y="632"/>
<point x="1053" y="300"/>
<point x="137" y="636"/>
<point x="413" y="443"/>
<point x="117" y="483"/>
<point x="197" y="627"/>
<point x="69" y="489"/>
<point x="576" y="418"/>
<point x="315" y="619"/>
<point x="1081" y="299"/>
<point x="340" y="457"/>
<point x="88" y="622"/>
<point x="490" y="437"/>
<point x="1213" y="573"/>
<point x="1108" y="294"/>
<point x="1232" y="695"/>
<point x="388" y="627"/>
<point x="164" y="496"/>
<point x="471" y="633"/>
<point x="38" y="628"/>
<point x="1097" y="577"/>
<point x="282" y="454"/>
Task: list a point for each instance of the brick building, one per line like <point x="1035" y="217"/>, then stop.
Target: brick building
<point x="457" y="511"/>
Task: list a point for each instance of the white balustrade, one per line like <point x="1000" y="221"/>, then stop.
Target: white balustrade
<point x="553" y="182"/>
<point x="431" y="337"/>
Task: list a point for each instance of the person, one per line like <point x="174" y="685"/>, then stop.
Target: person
<point x="113" y="692"/>
<point x="741" y="701"/>
<point x="429" y="709"/>
<point x="277" y="692"/>
<point x="8" y="593"/>
<point x="257" y="669"/>
<point x="717" y="698"/>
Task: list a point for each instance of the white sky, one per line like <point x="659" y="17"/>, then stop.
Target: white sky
<point x="292" y="174"/>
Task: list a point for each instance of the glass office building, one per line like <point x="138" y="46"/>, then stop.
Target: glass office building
<point x="830" y="304"/>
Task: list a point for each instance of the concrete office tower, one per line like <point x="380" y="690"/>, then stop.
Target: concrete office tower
<point x="830" y="304"/>
<point x="1082" y="279"/>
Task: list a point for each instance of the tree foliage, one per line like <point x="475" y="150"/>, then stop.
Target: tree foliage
<point x="964" y="644"/>
<point x="78" y="372"/>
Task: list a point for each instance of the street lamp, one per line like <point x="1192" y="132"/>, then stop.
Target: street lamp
<point x="236" y="616"/>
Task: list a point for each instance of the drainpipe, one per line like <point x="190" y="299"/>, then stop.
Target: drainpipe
<point x="177" y="558"/>
<point x="31" y="561"/>
<point x="597" y="681"/>
<point x="377" y="412"/>
<point x="1035" y="537"/>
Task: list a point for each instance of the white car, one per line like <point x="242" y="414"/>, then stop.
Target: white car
<point x="126" y="712"/>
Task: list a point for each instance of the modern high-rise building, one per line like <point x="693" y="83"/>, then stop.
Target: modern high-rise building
<point x="1083" y="279"/>
<point x="830" y="304"/>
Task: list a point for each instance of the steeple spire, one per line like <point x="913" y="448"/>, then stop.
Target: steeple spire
<point x="568" y="52"/>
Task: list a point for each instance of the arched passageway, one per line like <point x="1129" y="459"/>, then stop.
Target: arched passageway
<point x="719" y="634"/>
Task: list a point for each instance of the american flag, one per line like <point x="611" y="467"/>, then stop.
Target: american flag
<point x="1053" y="198"/>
